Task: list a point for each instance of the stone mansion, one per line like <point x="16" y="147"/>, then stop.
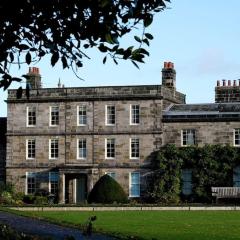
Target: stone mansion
<point x="64" y="139"/>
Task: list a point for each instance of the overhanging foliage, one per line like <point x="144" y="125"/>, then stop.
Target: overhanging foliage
<point x="33" y="29"/>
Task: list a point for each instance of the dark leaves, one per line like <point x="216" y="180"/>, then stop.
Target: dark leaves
<point x="19" y="93"/>
<point x="54" y="58"/>
<point x="28" y="58"/>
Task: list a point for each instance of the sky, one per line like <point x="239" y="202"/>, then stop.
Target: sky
<point x="201" y="38"/>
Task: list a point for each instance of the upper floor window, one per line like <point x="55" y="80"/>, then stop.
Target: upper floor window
<point x="188" y="137"/>
<point x="53" y="182"/>
<point x="82" y="149"/>
<point x="134" y="114"/>
<point x="134" y="148"/>
<point x="82" y="115"/>
<point x="31" y="116"/>
<point x="30" y="148"/>
<point x="110" y="148"/>
<point x="237" y="137"/>
<point x="54" y="115"/>
<point x="110" y="115"/>
<point x="53" y="148"/>
<point x="134" y="184"/>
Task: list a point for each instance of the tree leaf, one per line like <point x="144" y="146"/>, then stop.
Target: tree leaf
<point x="64" y="62"/>
<point x="54" y="58"/>
<point x="137" y="39"/>
<point x="104" y="59"/>
<point x="135" y="64"/>
<point x="148" y="20"/>
<point x="149" y="36"/>
<point x="28" y="58"/>
<point x="19" y="93"/>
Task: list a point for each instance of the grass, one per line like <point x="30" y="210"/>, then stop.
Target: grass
<point x="162" y="225"/>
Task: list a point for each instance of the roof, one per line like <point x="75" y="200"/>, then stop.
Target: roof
<point x="206" y="112"/>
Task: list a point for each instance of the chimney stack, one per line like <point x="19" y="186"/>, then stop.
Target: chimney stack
<point x="169" y="75"/>
<point x="34" y="78"/>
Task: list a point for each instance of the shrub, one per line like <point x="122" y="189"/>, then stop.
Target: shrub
<point x="107" y="190"/>
<point x="40" y="200"/>
<point x="29" y="199"/>
<point x="6" y="197"/>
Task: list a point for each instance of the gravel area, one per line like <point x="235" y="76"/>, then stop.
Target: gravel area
<point x="41" y="228"/>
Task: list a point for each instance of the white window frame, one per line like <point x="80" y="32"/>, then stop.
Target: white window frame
<point x="138" y="184"/>
<point x="187" y="132"/>
<point x="26" y="183"/>
<point x="50" y="149"/>
<point x="133" y="116"/>
<point x="78" y="149"/>
<point x="79" y="116"/>
<point x="27" y="117"/>
<point x="50" y="116"/>
<point x="50" y="181"/>
<point x="235" y="132"/>
<point x="27" y="149"/>
<point x="131" y="149"/>
<point x="107" y="119"/>
<point x="106" y="148"/>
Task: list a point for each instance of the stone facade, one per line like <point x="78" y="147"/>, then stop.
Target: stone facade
<point x="212" y="123"/>
<point x="3" y="130"/>
<point x="72" y="171"/>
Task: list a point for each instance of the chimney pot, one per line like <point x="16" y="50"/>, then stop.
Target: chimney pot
<point x="229" y="83"/>
<point x="224" y="83"/>
<point x="169" y="65"/>
<point x="234" y="83"/>
<point x="218" y="83"/>
<point x="165" y="64"/>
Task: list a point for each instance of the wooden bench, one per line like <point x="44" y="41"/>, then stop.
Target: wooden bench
<point x="225" y="192"/>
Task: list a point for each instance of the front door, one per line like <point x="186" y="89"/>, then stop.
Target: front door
<point x="81" y="189"/>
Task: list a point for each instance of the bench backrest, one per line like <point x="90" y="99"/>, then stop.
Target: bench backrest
<point x="225" y="191"/>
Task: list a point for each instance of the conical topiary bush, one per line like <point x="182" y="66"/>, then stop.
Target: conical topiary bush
<point x="107" y="190"/>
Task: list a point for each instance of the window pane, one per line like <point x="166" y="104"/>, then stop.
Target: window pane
<point x="31" y="148"/>
<point x="31" y="183"/>
<point x="82" y="148"/>
<point x="135" y="184"/>
<point x="237" y="136"/>
<point x="135" y="112"/>
<point x="82" y="115"/>
<point x="112" y="174"/>
<point x="31" y="116"/>
<point x="54" y="115"/>
<point x="54" y="180"/>
<point x="54" y="148"/>
<point x="134" y="148"/>
<point x="110" y="148"/>
<point x="236" y="176"/>
<point x="187" y="181"/>
<point x="110" y="115"/>
<point x="188" y="137"/>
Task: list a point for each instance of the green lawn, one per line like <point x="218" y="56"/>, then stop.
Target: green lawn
<point x="165" y="225"/>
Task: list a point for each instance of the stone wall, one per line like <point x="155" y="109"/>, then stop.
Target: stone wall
<point x="3" y="129"/>
<point x="206" y="132"/>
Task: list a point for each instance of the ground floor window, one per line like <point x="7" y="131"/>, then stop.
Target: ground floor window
<point x="236" y="176"/>
<point x="134" y="184"/>
<point x="112" y="174"/>
<point x="186" y="181"/>
<point x="31" y="182"/>
<point x="53" y="182"/>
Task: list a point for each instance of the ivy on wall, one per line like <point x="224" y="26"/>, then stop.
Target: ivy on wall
<point x="211" y="165"/>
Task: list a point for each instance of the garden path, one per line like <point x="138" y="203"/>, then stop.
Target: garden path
<point x="45" y="229"/>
